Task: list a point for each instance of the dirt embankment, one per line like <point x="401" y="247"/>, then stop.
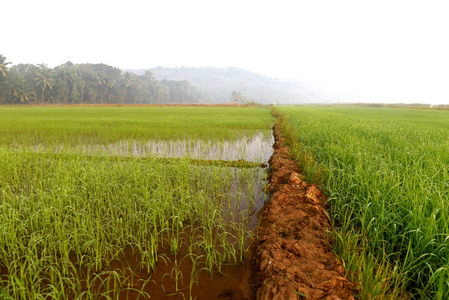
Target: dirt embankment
<point x="293" y="256"/>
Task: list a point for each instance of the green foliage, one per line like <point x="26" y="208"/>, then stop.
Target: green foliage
<point x="3" y="66"/>
<point x="3" y="76"/>
<point x="386" y="173"/>
<point x="88" y="83"/>
<point x="181" y="91"/>
<point x="44" y="80"/>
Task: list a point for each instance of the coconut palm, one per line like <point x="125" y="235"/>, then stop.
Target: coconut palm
<point x="131" y="84"/>
<point x="44" y="80"/>
<point x="21" y="95"/>
<point x="3" y="66"/>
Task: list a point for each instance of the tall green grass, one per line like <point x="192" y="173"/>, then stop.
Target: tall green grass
<point x="386" y="172"/>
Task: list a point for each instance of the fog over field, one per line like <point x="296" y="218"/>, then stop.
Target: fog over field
<point x="345" y="51"/>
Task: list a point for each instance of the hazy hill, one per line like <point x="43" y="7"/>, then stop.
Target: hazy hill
<point x="217" y="84"/>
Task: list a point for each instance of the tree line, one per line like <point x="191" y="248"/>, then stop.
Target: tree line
<point x="88" y="83"/>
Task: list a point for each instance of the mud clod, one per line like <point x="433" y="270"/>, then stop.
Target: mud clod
<point x="294" y="258"/>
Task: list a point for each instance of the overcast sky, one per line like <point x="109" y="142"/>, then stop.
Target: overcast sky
<point x="389" y="51"/>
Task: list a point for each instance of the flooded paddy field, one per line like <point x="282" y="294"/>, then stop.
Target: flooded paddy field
<point x="105" y="203"/>
<point x="254" y="148"/>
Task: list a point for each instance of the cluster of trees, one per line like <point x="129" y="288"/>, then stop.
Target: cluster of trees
<point x="237" y="97"/>
<point x="88" y="83"/>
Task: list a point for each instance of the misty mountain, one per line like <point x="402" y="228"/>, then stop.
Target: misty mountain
<point x="217" y="84"/>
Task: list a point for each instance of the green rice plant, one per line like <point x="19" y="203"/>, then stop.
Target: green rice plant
<point x="193" y="274"/>
<point x="385" y="172"/>
<point x="150" y="253"/>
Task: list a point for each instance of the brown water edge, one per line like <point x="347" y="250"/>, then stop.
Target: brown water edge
<point x="134" y="280"/>
<point x="234" y="281"/>
<point x="293" y="256"/>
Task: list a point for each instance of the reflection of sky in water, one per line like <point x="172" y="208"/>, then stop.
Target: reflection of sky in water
<point x="245" y="197"/>
<point x="242" y="197"/>
<point x="257" y="148"/>
<point x="248" y="197"/>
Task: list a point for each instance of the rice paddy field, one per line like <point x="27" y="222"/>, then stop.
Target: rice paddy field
<point x="386" y="174"/>
<point x="128" y="202"/>
<point x="161" y="202"/>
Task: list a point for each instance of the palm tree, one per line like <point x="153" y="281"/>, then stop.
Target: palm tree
<point x="44" y="80"/>
<point x="99" y="83"/>
<point x="3" y="68"/>
<point x="22" y="96"/>
<point x="109" y="85"/>
<point x="132" y="83"/>
<point x="4" y="86"/>
<point x="237" y="97"/>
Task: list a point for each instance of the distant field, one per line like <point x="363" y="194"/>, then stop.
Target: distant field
<point x="386" y="172"/>
<point x="114" y="225"/>
<point x="76" y="125"/>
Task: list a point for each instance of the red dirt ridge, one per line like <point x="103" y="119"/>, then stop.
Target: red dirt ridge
<point x="293" y="255"/>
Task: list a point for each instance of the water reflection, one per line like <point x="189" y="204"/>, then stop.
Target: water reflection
<point x="248" y="197"/>
<point x="257" y="148"/>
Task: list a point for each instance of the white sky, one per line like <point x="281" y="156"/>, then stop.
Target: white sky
<point x="389" y="51"/>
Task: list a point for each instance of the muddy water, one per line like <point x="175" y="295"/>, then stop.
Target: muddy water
<point x="234" y="281"/>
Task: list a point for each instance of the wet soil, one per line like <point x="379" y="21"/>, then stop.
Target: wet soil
<point x="293" y="258"/>
<point x="233" y="283"/>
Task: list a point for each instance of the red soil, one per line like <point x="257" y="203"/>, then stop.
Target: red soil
<point x="293" y="256"/>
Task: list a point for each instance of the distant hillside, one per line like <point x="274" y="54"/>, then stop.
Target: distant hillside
<point x="217" y="85"/>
